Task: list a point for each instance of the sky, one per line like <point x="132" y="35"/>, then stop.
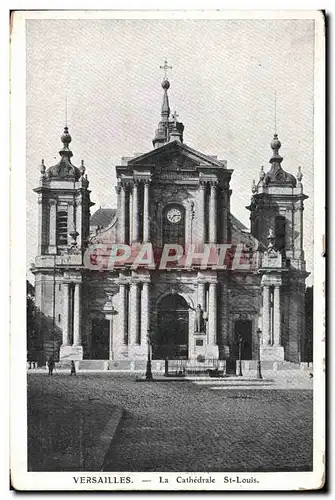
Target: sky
<point x="224" y="78"/>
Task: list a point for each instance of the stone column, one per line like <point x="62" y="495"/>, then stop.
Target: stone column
<point x="224" y="223"/>
<point x="70" y="221"/>
<point x="135" y="221"/>
<point x="213" y="213"/>
<point x="111" y="352"/>
<point x="298" y="230"/>
<point x="43" y="226"/>
<point x="146" y="221"/>
<point x="145" y="314"/>
<point x="123" y="313"/>
<point x="129" y="211"/>
<point x="202" y="295"/>
<point x="276" y="315"/>
<point x="79" y="222"/>
<point x="77" y="315"/>
<point x="266" y="323"/>
<point x="201" y="213"/>
<point x="212" y="314"/>
<point x="40" y="226"/>
<point x="52" y="226"/>
<point x="133" y="314"/>
<point x="122" y="219"/>
<point x="65" y="313"/>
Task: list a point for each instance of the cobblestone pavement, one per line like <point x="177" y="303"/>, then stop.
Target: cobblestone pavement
<point x="188" y="427"/>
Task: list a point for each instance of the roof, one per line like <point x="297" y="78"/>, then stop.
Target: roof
<point x="196" y="155"/>
<point x="241" y="234"/>
<point x="103" y="217"/>
<point x="237" y="223"/>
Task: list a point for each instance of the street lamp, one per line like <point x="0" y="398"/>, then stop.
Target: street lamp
<point x="110" y="312"/>
<point x="240" y="341"/>
<point x="148" y="373"/>
<point x="259" y="371"/>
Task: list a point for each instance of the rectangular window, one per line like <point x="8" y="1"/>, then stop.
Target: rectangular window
<point x="61" y="225"/>
<point x="199" y="342"/>
<point x="59" y="318"/>
<point x="280" y="232"/>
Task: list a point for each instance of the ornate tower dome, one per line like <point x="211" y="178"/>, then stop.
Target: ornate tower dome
<point x="64" y="169"/>
<point x="277" y="175"/>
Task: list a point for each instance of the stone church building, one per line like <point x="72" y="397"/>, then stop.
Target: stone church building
<point x="173" y="194"/>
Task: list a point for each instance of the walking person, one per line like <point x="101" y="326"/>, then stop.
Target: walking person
<point x="51" y="365"/>
<point x="73" y="368"/>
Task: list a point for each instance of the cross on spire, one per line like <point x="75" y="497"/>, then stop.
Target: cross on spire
<point x="165" y="68"/>
<point x="275" y="112"/>
<point x="66" y="108"/>
<point x="175" y="116"/>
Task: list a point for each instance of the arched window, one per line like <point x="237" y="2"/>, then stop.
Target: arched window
<point x="174" y="224"/>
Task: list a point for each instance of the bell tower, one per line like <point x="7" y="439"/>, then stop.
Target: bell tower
<point x="64" y="204"/>
<point x="276" y="215"/>
<point x="277" y="204"/>
<point x="63" y="230"/>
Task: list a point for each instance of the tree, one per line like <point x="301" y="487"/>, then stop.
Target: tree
<point x="31" y="322"/>
<point x="308" y="347"/>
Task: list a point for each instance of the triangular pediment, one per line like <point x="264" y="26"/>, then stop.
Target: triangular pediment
<point x="177" y="155"/>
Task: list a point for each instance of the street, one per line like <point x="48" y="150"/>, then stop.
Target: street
<point x="171" y="426"/>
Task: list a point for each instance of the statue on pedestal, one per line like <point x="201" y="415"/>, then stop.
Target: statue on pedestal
<point x="199" y="324"/>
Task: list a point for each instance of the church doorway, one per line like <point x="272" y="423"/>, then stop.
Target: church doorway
<point x="243" y="328"/>
<point x="100" y="339"/>
<point x="171" y="336"/>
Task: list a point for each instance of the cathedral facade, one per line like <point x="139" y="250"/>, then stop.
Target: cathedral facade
<point x="170" y="265"/>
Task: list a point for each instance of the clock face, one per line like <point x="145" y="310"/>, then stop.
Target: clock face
<point x="174" y="215"/>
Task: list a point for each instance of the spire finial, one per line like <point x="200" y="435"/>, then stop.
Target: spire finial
<point x="65" y="107"/>
<point x="82" y="168"/>
<point x="66" y="88"/>
<point x="262" y="173"/>
<point x="166" y="85"/>
<point x="275" y="131"/>
<point x="42" y="167"/>
<point x="165" y="68"/>
<point x="275" y="146"/>
<point x="299" y="175"/>
<point x="174" y="117"/>
<point x="66" y="139"/>
<point x="175" y="132"/>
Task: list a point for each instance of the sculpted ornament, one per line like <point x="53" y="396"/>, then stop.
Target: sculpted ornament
<point x="165" y="193"/>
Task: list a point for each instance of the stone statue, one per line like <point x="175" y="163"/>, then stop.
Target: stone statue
<point x="199" y="319"/>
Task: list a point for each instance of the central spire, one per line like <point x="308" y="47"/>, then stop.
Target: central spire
<point x="165" y="85"/>
<point x="167" y="130"/>
<point x="165" y="106"/>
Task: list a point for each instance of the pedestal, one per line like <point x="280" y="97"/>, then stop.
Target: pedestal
<point x="71" y="352"/>
<point x="201" y="348"/>
<point x="138" y="352"/>
<point x="271" y="353"/>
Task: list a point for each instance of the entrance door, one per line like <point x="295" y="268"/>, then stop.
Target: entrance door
<point x="100" y="339"/>
<point x="243" y="328"/>
<point x="171" y="338"/>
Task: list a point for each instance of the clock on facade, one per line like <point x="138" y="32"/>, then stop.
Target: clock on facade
<point x="174" y="215"/>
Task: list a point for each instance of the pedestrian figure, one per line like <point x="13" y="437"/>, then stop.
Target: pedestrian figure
<point x="51" y="365"/>
<point x="73" y="368"/>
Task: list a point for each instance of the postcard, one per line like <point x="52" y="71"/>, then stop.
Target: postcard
<point x="167" y="250"/>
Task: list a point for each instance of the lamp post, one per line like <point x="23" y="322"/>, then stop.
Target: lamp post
<point x="148" y="373"/>
<point x="110" y="312"/>
<point x="259" y="371"/>
<point x="240" y="341"/>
